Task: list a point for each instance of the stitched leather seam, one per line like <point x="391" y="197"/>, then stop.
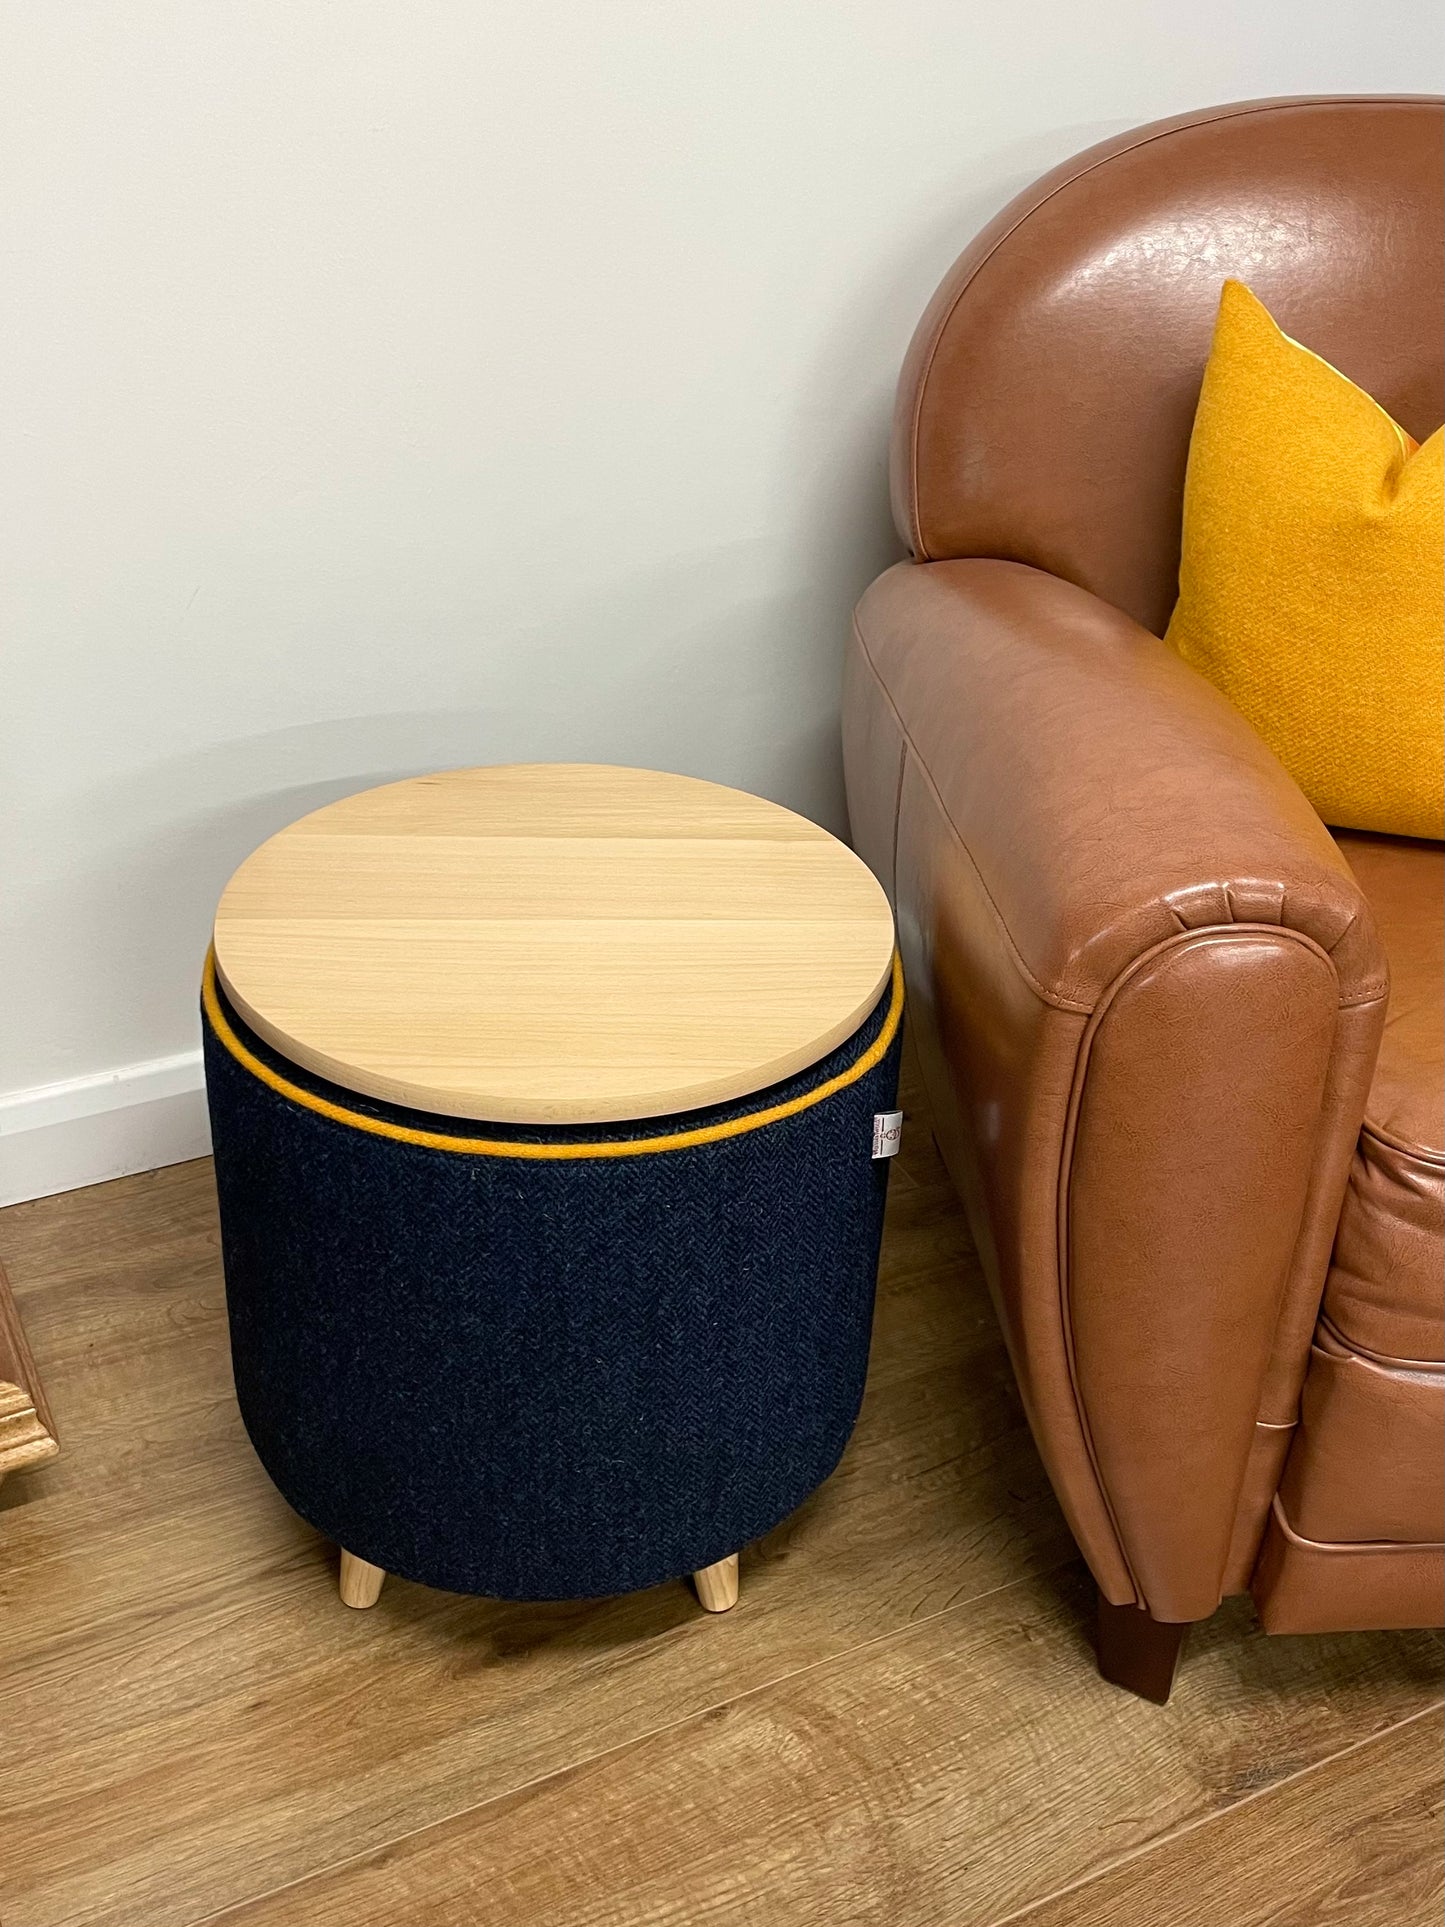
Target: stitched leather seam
<point x="1349" y="1545"/>
<point x="904" y="749"/>
<point x="1066" y="1160"/>
<point x="1182" y="126"/>
<point x="1374" y="992"/>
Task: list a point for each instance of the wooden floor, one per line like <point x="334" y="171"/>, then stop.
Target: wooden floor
<point x="900" y="1724"/>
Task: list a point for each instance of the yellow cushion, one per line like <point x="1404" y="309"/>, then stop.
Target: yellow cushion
<point x="1310" y="578"/>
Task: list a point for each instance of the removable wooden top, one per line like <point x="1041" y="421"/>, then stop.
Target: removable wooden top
<point x="554" y="943"/>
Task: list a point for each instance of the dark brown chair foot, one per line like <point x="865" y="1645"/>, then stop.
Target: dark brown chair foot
<point x="1137" y="1651"/>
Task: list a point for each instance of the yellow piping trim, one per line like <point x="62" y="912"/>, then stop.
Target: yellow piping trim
<point x="500" y="1148"/>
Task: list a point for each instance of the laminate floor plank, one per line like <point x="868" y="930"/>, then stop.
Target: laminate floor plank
<point x="943" y="1777"/>
<point x="1353" y="1843"/>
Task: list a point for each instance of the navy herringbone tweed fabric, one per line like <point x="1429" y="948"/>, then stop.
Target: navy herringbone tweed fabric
<point x="547" y="1380"/>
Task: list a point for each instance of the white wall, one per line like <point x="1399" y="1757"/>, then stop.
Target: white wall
<point x="403" y="383"/>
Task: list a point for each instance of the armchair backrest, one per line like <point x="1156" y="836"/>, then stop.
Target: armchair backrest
<point x="1045" y="405"/>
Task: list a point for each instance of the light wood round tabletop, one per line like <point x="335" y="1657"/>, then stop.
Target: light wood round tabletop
<point x="554" y="943"/>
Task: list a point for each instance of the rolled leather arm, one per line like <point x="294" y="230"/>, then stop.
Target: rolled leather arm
<point x="1148" y="996"/>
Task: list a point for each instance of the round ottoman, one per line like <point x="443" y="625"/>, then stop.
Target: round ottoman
<point x="551" y="1108"/>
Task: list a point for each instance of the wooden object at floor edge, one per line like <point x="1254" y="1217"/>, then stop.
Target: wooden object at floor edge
<point x="717" y="1585"/>
<point x="361" y="1582"/>
<point x="27" y="1429"/>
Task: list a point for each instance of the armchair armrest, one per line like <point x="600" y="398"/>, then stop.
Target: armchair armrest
<point x="1148" y="996"/>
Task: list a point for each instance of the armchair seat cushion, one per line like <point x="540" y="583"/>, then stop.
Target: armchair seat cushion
<point x="1385" y="1297"/>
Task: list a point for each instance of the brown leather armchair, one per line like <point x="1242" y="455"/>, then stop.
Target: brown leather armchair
<point x="1183" y="1045"/>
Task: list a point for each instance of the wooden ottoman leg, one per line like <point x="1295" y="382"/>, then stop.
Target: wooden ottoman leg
<point x="717" y="1585"/>
<point x="360" y="1582"/>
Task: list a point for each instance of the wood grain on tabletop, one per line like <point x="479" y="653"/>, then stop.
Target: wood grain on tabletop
<point x="554" y="943"/>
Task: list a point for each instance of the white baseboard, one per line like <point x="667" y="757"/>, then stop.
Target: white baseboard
<point x="57" y="1137"/>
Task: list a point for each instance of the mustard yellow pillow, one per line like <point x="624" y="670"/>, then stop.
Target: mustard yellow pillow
<point x="1310" y="579"/>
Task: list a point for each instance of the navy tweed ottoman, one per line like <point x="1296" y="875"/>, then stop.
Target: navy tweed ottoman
<point x="551" y="1108"/>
